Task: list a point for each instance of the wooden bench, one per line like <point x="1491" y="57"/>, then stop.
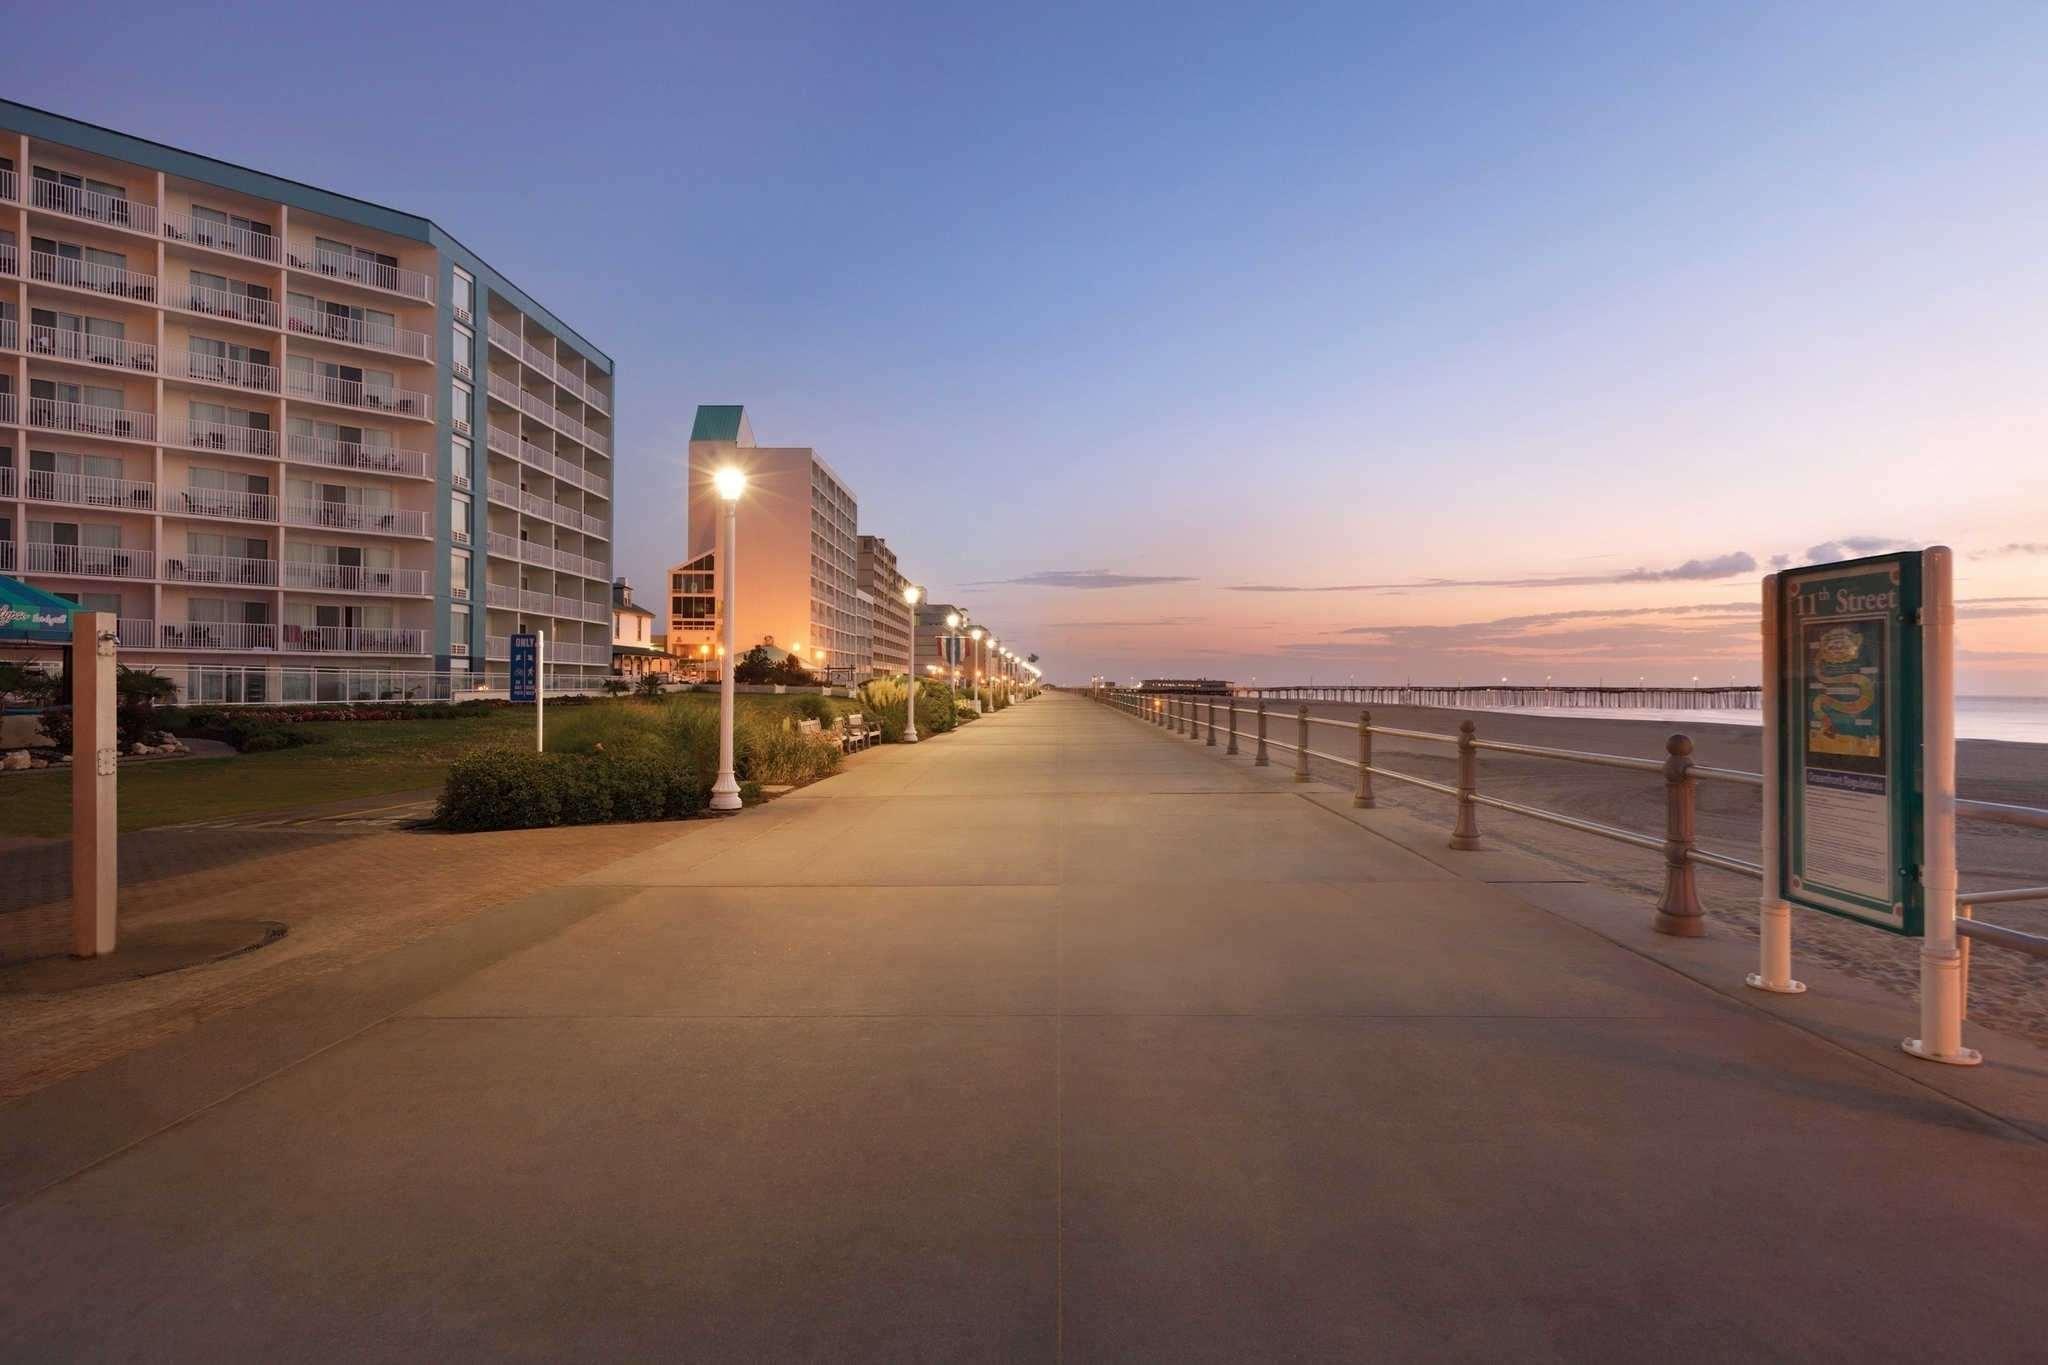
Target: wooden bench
<point x="860" y="731"/>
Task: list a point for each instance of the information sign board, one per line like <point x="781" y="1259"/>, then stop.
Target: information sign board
<point x="526" y="667"/>
<point x="1849" y="739"/>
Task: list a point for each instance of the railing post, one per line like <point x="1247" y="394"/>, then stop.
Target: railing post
<point x="1465" y="834"/>
<point x="1679" y="912"/>
<point x="1259" y="759"/>
<point x="1231" y="747"/>
<point x="1212" y="722"/>
<point x="1301" y="745"/>
<point x="1364" y="797"/>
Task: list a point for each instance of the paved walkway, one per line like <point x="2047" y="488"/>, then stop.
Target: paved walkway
<point x="1057" y="1038"/>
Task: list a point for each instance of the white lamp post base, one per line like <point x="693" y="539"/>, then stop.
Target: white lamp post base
<point x="725" y="795"/>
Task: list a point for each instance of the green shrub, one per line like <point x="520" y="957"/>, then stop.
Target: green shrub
<point x="132" y="725"/>
<point x="781" y="757"/>
<point x="505" y="789"/>
<point x="811" y="706"/>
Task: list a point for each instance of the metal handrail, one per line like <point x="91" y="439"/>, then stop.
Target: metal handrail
<point x="1678" y="846"/>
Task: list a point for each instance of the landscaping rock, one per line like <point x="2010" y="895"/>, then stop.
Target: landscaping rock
<point x="15" y="760"/>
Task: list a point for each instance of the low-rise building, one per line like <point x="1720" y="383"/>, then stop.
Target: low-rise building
<point x="634" y="650"/>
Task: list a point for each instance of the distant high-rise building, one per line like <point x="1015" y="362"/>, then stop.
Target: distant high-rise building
<point x="881" y="580"/>
<point x="797" y="555"/>
<point x="303" y="447"/>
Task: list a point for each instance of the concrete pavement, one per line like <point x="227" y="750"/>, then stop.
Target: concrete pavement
<point x="1059" y="1038"/>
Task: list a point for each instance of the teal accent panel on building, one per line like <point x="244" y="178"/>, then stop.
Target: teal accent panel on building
<point x="718" y="422"/>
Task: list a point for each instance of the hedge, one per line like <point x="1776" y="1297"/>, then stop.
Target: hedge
<point x="505" y="789"/>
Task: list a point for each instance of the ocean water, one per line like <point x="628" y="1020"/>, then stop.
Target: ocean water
<point x="2017" y="720"/>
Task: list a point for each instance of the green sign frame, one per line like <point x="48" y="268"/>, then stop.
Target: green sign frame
<point x="1850" y="744"/>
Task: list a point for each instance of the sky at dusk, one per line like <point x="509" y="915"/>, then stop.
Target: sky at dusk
<point x="1436" y="342"/>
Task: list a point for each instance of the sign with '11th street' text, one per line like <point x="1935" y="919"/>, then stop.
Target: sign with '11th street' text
<point x="1849" y="741"/>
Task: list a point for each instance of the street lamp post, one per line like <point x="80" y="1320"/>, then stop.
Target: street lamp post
<point x="911" y="593"/>
<point x="725" y="791"/>
<point x="953" y="647"/>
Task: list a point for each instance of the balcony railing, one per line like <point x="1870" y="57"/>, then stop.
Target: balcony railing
<point x="224" y="303"/>
<point x="10" y="188"/>
<point x="6" y="480"/>
<point x="6" y="407"/>
<point x="91" y="349"/>
<point x="228" y="437"/>
<point x="512" y="343"/>
<point x="89" y="490"/>
<point x="88" y="419"/>
<point x="374" y="274"/>
<point x="349" y="393"/>
<point x="92" y="206"/>
<point x="497" y="647"/>
<point x="354" y="640"/>
<point x="346" y="516"/>
<point x="527" y="453"/>
<point x="376" y="336"/>
<point x="230" y="569"/>
<point x="540" y="410"/>
<point x="257" y="246"/>
<point x="220" y="369"/>
<point x="216" y="635"/>
<point x="133" y="632"/>
<point x="111" y="280"/>
<point x="316" y="577"/>
<point x="319" y="450"/>
<point x="10" y="262"/>
<point x="8" y="333"/>
<point x="90" y="561"/>
<point x="7" y="556"/>
<point x="222" y="502"/>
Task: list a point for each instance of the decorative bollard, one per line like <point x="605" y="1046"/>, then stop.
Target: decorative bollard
<point x="1364" y="797"/>
<point x="1465" y="834"/>
<point x="1679" y="912"/>
<point x="1231" y="747"/>
<point x="1301" y="745"/>
<point x="1259" y="758"/>
<point x="1212" y="722"/>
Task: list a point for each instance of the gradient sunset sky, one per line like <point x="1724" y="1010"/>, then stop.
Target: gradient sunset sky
<point x="1431" y="341"/>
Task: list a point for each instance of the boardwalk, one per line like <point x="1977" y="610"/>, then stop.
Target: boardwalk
<point x="1060" y="1038"/>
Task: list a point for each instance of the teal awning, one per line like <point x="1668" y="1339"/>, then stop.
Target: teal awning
<point x="31" y="616"/>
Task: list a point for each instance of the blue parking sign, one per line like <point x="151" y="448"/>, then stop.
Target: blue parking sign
<point x="525" y="667"/>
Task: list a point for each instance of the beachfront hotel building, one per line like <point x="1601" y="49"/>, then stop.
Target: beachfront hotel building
<point x="881" y="580"/>
<point x="797" y="555"/>
<point x="302" y="446"/>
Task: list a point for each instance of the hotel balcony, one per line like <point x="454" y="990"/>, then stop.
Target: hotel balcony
<point x="88" y="490"/>
<point x="202" y="368"/>
<point x="10" y="187"/>
<point x="7" y="556"/>
<point x="257" y="246"/>
<point x="504" y="443"/>
<point x="222" y="635"/>
<point x="356" y="332"/>
<point x="9" y="333"/>
<point x="540" y="410"/>
<point x="87" y="419"/>
<point x="531" y="552"/>
<point x="92" y="207"/>
<point x="390" y="279"/>
<point x="354" y="640"/>
<point x="99" y="279"/>
<point x="6" y="409"/>
<point x="510" y="342"/>
<point x="135" y="632"/>
<point x="227" y="569"/>
<point x="85" y="348"/>
<point x="348" y="393"/>
<point x="90" y="561"/>
<point x="226" y="437"/>
<point x="535" y="505"/>
<point x="318" y="450"/>
<point x="6" y="480"/>
<point x="223" y="304"/>
<point x="497" y="647"/>
<point x="354" y="578"/>
<point x="10" y="261"/>
<point x="224" y="503"/>
<point x="344" y="516"/>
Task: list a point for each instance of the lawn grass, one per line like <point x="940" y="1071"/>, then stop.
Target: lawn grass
<point x="350" y="760"/>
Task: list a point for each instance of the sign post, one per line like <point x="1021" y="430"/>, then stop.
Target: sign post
<point x="1941" y="963"/>
<point x="95" y="753"/>
<point x="526" y="678"/>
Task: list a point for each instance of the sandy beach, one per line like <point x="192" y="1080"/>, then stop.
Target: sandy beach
<point x="2008" y="991"/>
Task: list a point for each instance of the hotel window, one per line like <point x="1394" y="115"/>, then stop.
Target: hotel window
<point x="463" y="353"/>
<point x="337" y="257"/>
<point x="464" y="299"/>
<point x="458" y="521"/>
<point x="458" y="569"/>
<point x="459" y="461"/>
<point x="224" y="361"/>
<point x="63" y="190"/>
<point x="53" y="332"/>
<point x="212" y="227"/>
<point x="463" y="401"/>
